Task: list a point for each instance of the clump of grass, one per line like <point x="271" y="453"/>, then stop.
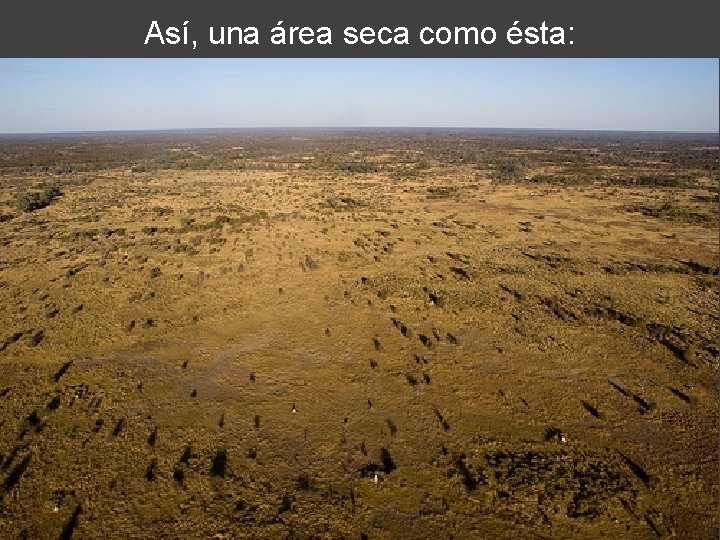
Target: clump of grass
<point x="343" y="203"/>
<point x="441" y="192"/>
<point x="311" y="263"/>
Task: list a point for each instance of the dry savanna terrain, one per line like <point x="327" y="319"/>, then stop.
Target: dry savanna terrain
<point x="359" y="334"/>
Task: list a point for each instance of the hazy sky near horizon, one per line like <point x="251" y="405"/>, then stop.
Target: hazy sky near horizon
<point x="49" y="95"/>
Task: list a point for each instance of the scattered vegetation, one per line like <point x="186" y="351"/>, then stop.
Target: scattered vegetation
<point x="365" y="334"/>
<point x="29" y="201"/>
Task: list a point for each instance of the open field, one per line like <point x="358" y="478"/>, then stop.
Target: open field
<point x="370" y="334"/>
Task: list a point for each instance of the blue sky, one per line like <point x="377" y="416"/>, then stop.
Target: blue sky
<point x="48" y="95"/>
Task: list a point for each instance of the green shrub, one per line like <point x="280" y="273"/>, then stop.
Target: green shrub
<point x="29" y="201"/>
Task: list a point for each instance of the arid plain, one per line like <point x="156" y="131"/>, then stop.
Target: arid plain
<point x="359" y="334"/>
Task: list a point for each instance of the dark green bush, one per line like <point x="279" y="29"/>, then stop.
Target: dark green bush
<point x="29" y="201"/>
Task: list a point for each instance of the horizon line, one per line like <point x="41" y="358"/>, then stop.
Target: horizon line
<point x="356" y="128"/>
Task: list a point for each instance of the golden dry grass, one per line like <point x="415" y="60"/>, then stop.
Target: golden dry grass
<point x="514" y="358"/>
